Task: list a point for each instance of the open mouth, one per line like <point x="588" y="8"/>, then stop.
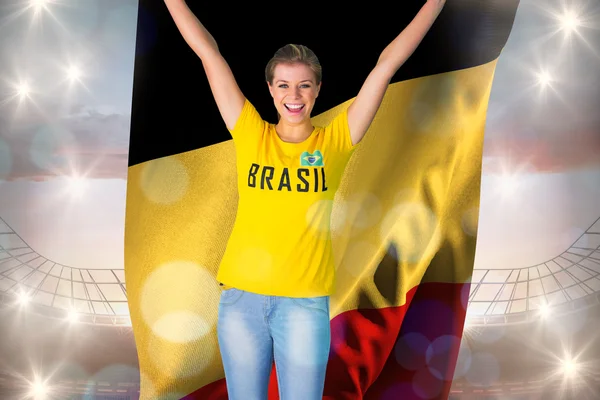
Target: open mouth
<point x="294" y="107"/>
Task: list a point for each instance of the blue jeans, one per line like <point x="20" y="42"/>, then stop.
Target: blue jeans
<point x="255" y="330"/>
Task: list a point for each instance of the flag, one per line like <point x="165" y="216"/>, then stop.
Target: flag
<point x="404" y="223"/>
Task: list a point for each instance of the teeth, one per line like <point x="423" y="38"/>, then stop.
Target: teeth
<point x="294" y="106"/>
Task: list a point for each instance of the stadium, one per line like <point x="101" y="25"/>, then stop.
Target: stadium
<point x="531" y="327"/>
<point x="532" y="331"/>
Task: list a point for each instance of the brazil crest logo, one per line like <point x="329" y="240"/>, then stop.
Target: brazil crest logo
<point x="311" y="159"/>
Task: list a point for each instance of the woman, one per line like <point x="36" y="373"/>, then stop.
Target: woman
<point x="278" y="269"/>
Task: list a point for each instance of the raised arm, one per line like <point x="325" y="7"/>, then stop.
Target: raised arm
<point x="364" y="107"/>
<point x="228" y="96"/>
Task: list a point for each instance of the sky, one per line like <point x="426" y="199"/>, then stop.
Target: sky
<point x="541" y="172"/>
<point x="83" y="120"/>
<point x="63" y="150"/>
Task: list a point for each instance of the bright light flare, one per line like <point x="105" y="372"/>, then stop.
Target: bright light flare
<point x="467" y="324"/>
<point x="39" y="390"/>
<point x="509" y="184"/>
<point x="22" y="94"/>
<point x="544" y="311"/>
<point x="73" y="73"/>
<point x="569" y="22"/>
<point x="77" y="186"/>
<point x="572" y="22"/>
<point x="23" y="90"/>
<point x="544" y="78"/>
<point x="40" y="11"/>
<point x="38" y="5"/>
<point x="569" y="367"/>
<point x="23" y="299"/>
<point x="511" y="177"/>
<point x="73" y="316"/>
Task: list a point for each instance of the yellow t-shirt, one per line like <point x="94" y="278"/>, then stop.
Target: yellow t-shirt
<point x="281" y="243"/>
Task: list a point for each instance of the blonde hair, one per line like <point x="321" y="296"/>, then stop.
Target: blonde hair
<point x="294" y="53"/>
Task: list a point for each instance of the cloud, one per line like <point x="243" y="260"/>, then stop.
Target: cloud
<point x="542" y="153"/>
<point x="85" y="142"/>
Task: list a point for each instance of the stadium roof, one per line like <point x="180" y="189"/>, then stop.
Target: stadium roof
<point x="567" y="282"/>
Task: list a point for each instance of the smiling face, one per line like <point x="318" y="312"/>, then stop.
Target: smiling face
<point x="294" y="90"/>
